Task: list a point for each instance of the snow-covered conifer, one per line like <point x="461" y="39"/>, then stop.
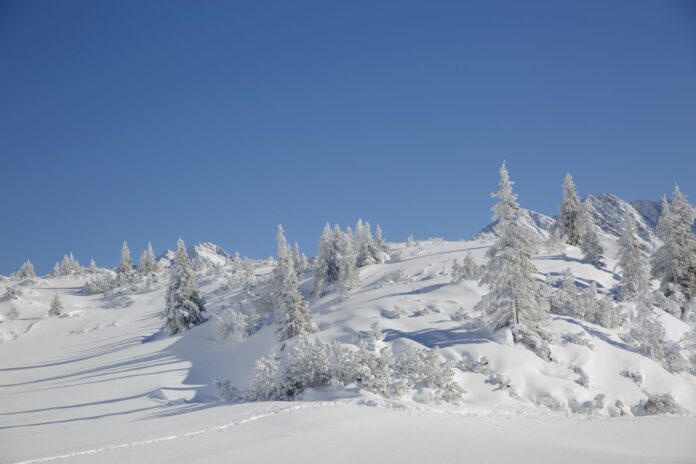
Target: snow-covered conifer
<point x="184" y="305"/>
<point x="589" y="241"/>
<point x="92" y="267"/>
<point x="125" y="267"/>
<point x="515" y="296"/>
<point x="646" y="333"/>
<point x="56" y="308"/>
<point x="148" y="262"/>
<point x="467" y="270"/>
<point x="292" y="315"/>
<point x="635" y="281"/>
<point x="567" y="223"/>
<point x="366" y="250"/>
<point x="13" y="315"/>
<point x="379" y="240"/>
<point x="327" y="266"/>
<point x="674" y="262"/>
<point x="68" y="266"/>
<point x="348" y="277"/>
<point x="300" y="260"/>
<point x="26" y="271"/>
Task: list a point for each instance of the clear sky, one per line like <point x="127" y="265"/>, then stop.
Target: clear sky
<point x="215" y="121"/>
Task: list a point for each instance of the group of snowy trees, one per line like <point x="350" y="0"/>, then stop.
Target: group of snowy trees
<point x="517" y="299"/>
<point x="674" y="263"/>
<point x="292" y="315"/>
<point x="184" y="308"/>
<point x="575" y="225"/>
<point x="311" y="364"/>
<point x="341" y="253"/>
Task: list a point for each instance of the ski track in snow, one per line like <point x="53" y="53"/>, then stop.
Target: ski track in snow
<point x="220" y="428"/>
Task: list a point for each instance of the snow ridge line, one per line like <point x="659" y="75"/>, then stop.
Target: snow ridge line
<point x="220" y="428"/>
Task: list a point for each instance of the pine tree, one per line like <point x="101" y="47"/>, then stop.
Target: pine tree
<point x="299" y="260"/>
<point x="468" y="270"/>
<point x="589" y="241"/>
<point x="379" y="240"/>
<point x="327" y="267"/>
<point x="68" y="266"/>
<point x="515" y="297"/>
<point x="366" y="249"/>
<point x="125" y="267"/>
<point x="567" y="222"/>
<point x="348" y="277"/>
<point x="148" y="262"/>
<point x="13" y="315"/>
<point x="635" y="281"/>
<point x="292" y="315"/>
<point x="646" y="333"/>
<point x="674" y="262"/>
<point x="26" y="271"/>
<point x="184" y="305"/>
<point x="92" y="267"/>
<point x="56" y="308"/>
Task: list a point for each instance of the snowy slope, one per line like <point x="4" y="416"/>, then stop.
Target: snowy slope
<point x="105" y="377"/>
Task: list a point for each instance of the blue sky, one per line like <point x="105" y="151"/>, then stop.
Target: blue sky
<point x="215" y="121"/>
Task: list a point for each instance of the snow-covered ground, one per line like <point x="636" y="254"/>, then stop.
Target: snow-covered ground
<point x="103" y="386"/>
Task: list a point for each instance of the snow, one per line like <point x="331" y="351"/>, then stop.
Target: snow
<point x="103" y="385"/>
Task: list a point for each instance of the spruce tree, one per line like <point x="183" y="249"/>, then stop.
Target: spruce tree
<point x="569" y="212"/>
<point x="515" y="298"/>
<point x="674" y="262"/>
<point x="184" y="305"/>
<point x="379" y="241"/>
<point x="148" y="262"/>
<point x="367" y="252"/>
<point x="348" y="277"/>
<point x="292" y="315"/>
<point x="13" y="315"/>
<point x="300" y="260"/>
<point x="125" y="266"/>
<point x="589" y="240"/>
<point x="646" y="333"/>
<point x="56" y="308"/>
<point x="26" y="271"/>
<point x="635" y="281"/>
<point x="327" y="267"/>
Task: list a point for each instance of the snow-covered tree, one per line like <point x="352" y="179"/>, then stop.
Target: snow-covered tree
<point x="467" y="270"/>
<point x="56" y="308"/>
<point x="300" y="261"/>
<point x="125" y="267"/>
<point x="366" y="249"/>
<point x="148" y="262"/>
<point x="600" y="310"/>
<point x="567" y="223"/>
<point x="292" y="315"/>
<point x="646" y="333"/>
<point x="635" y="280"/>
<point x="68" y="266"/>
<point x="26" y="271"/>
<point x="379" y="240"/>
<point x="515" y="297"/>
<point x="348" y="277"/>
<point x="92" y="267"/>
<point x="328" y="267"/>
<point x="184" y="305"/>
<point x="674" y="263"/>
<point x="589" y="240"/>
<point x="13" y="315"/>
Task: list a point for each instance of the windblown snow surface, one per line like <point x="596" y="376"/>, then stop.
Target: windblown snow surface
<point x="102" y="386"/>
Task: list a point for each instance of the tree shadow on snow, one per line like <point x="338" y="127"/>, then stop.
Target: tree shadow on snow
<point x="440" y="338"/>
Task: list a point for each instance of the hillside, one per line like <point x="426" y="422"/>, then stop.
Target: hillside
<point x="104" y="377"/>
